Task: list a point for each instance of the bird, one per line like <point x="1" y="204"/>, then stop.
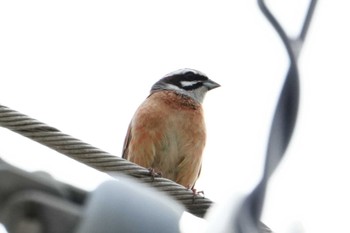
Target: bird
<point x="167" y="133"/>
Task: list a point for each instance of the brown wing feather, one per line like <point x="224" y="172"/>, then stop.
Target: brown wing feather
<point x="199" y="173"/>
<point x="126" y="143"/>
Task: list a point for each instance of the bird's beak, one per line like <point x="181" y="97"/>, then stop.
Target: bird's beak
<point x="210" y="84"/>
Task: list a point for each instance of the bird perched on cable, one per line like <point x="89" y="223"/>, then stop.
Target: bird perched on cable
<point x="167" y="132"/>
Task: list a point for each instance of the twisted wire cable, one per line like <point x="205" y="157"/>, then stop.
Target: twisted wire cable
<point x="284" y="120"/>
<point x="97" y="158"/>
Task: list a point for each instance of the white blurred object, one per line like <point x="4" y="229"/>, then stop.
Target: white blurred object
<point x="2" y="229"/>
<point x="190" y="223"/>
<point x="220" y="216"/>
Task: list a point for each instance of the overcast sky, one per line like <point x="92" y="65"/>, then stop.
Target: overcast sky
<point x="85" y="66"/>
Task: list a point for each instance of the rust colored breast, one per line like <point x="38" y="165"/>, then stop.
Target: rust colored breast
<point x="167" y="133"/>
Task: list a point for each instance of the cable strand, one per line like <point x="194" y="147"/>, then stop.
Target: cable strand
<point x="97" y="158"/>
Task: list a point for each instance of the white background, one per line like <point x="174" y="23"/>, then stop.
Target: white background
<point x="85" y="66"/>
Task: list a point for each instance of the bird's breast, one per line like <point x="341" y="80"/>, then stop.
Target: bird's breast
<point x="178" y="128"/>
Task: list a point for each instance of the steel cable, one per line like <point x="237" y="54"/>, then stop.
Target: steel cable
<point x="97" y="158"/>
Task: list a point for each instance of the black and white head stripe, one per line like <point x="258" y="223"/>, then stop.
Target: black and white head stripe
<point x="187" y="82"/>
<point x="186" y="79"/>
<point x="185" y="71"/>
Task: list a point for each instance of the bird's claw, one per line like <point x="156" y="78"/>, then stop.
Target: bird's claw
<point x="153" y="173"/>
<point x="196" y="193"/>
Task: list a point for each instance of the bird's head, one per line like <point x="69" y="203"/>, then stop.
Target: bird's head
<point x="189" y="82"/>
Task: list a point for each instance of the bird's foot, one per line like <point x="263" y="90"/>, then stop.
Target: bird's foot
<point x="153" y="173"/>
<point x="196" y="193"/>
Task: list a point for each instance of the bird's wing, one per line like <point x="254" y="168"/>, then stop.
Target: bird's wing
<point x="199" y="173"/>
<point x="126" y="143"/>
